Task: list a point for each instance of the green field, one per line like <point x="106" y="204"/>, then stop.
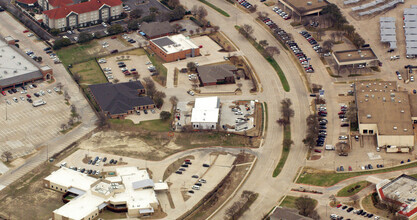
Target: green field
<point x="285" y="152"/>
<point x="78" y="53"/>
<point x="354" y="188"/>
<point x="289" y="202"/>
<point x="90" y="73"/>
<point x="329" y="178"/>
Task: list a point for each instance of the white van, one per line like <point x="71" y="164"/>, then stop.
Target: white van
<point x="196" y="187"/>
<point x="63" y="164"/>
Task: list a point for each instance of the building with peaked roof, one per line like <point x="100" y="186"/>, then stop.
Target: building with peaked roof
<point x="173" y="48"/>
<point x="130" y="190"/>
<point x="121" y="99"/>
<point x="16" y="68"/>
<point x="282" y="213"/>
<point x="385" y="111"/>
<point x="205" y="114"/>
<point x="156" y="29"/>
<point x="64" y="14"/>
<point x="216" y="74"/>
<point x="401" y="190"/>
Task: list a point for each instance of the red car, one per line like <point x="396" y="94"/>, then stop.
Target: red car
<point x="25" y="31"/>
<point x="28" y="96"/>
<point x="338" y="206"/>
<point x="341" y="113"/>
<point x="114" y="37"/>
<point x="3" y="92"/>
<point x="350" y="168"/>
<point x="317" y="150"/>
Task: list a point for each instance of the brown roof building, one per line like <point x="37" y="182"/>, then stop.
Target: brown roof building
<point x="364" y="56"/>
<point x="216" y="74"/>
<point x="302" y="8"/>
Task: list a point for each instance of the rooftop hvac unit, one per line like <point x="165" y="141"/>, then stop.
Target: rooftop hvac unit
<point x="349" y="55"/>
<point x="366" y="95"/>
<point x="366" y="100"/>
<point x="369" y="116"/>
<point x="399" y="101"/>
<point x="392" y="99"/>
<point x="19" y="63"/>
<point x="392" y="94"/>
<point x="395" y="128"/>
<point x="309" y="3"/>
<point x="5" y="72"/>
<point x="373" y="96"/>
<point x="405" y="129"/>
<point x="26" y="68"/>
<point x="359" y="51"/>
<point x="383" y="99"/>
<point x="402" y="111"/>
<point x="13" y="57"/>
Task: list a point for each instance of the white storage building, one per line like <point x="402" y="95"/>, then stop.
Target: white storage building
<point x="205" y="114"/>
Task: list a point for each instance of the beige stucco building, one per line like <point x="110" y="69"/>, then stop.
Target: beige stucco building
<point x="385" y="110"/>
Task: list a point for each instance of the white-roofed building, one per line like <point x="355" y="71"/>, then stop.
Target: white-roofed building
<point x="205" y="114"/>
<point x="130" y="190"/>
<point x="175" y="47"/>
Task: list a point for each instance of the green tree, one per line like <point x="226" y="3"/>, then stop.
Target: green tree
<point x="164" y="115"/>
<point x="136" y="13"/>
<point x="60" y="43"/>
<point x="55" y="31"/>
<point x="85" y="37"/>
<point x="115" y="29"/>
<point x="133" y="24"/>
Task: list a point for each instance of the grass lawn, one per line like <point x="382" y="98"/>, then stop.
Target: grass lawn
<point x="271" y="61"/>
<point x="368" y="205"/>
<point x="289" y="202"/>
<point x="215" y="8"/>
<point x="353" y="188"/>
<point x="329" y="178"/>
<point x="162" y="70"/>
<point x="222" y="41"/>
<point x="206" y="139"/>
<point x="135" y="52"/>
<point x="151" y="125"/>
<point x="90" y="73"/>
<point x="285" y="151"/>
<point x="80" y="52"/>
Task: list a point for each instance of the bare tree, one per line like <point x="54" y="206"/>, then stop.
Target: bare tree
<point x="333" y="36"/>
<point x="263" y="43"/>
<point x="102" y="119"/>
<point x="216" y="28"/>
<point x="67" y="97"/>
<point x="271" y="51"/>
<point x="246" y="30"/>
<point x="286" y="112"/>
<point x="77" y="77"/>
<point x="305" y="205"/>
<point x="115" y="81"/>
<point x="392" y="203"/>
<point x="63" y="126"/>
<point x="7" y="155"/>
<point x="71" y="121"/>
<point x="59" y="86"/>
<point x="136" y="76"/>
<point x="239" y="85"/>
<point x="328" y="45"/>
<point x="320" y="33"/>
<point x="201" y="12"/>
<point x="173" y="100"/>
<point x="149" y="87"/>
<point x="354" y="199"/>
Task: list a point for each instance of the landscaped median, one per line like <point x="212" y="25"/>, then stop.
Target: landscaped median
<point x="285" y="150"/>
<point x="317" y="177"/>
<point x="353" y="188"/>
<point x="215" y="8"/>
<point x="270" y="60"/>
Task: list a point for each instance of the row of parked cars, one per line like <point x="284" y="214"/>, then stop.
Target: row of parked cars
<point x="302" y="58"/>
<point x="359" y="212"/>
<point x="244" y="3"/>
<point x="321" y="137"/>
<point x="97" y="161"/>
<point x="309" y="38"/>
<point x="281" y="13"/>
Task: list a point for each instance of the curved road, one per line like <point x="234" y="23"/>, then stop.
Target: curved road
<point x="261" y="181"/>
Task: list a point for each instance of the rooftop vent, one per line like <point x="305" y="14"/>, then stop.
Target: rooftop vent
<point x="359" y="51"/>
<point x="392" y="94"/>
<point x="26" y="68"/>
<point x="373" y="96"/>
<point x="405" y="129"/>
<point x="349" y="55"/>
<point x="369" y="116"/>
<point x="14" y="71"/>
<point x="399" y="101"/>
<point x="366" y="100"/>
<point x="366" y="95"/>
<point x="392" y="99"/>
<point x="402" y="111"/>
<point x="19" y="63"/>
<point x="383" y="99"/>
<point x="395" y="128"/>
<point x="309" y="3"/>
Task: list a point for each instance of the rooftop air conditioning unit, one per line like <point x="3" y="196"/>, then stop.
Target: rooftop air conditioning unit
<point x="405" y="129"/>
<point x="369" y="116"/>
<point x="366" y="100"/>
<point x="402" y="111"/>
<point x="383" y="99"/>
<point x="395" y="128"/>
<point x="349" y="55"/>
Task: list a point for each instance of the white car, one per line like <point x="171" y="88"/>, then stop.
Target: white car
<point x="22" y="98"/>
<point x="56" y="89"/>
<point x="49" y="91"/>
<point x="30" y="35"/>
<point x="15" y="99"/>
<point x="342" y="137"/>
<point x="412" y="78"/>
<point x="23" y="92"/>
<point x="400" y="77"/>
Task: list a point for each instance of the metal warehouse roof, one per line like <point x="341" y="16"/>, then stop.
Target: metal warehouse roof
<point x="388" y="34"/>
<point x="410" y="30"/>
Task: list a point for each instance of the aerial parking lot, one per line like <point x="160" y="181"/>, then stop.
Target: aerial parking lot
<point x="23" y="127"/>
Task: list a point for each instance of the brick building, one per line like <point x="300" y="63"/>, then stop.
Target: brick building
<point x="216" y="74"/>
<point x="173" y="48"/>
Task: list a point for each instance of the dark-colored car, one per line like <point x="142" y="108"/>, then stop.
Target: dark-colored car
<point x="198" y="184"/>
<point x="191" y="191"/>
<point x="343" y="154"/>
<point x="181" y="169"/>
<point x="104" y="159"/>
<point x="184" y="165"/>
<point x="29" y="100"/>
<point x="91" y="161"/>
<point x="145" y="111"/>
<point x="115" y="162"/>
<point x="345" y="206"/>
<point x="34" y="85"/>
<point x="194" y="176"/>
<point x="205" y="165"/>
<point x="111" y="161"/>
<point x="178" y="172"/>
<point x="114" y="51"/>
<point x="82" y="170"/>
<point x="344" y="125"/>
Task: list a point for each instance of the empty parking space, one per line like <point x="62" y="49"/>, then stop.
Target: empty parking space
<point x="24" y="127"/>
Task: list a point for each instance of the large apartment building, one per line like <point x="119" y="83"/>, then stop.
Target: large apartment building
<point x="64" y="14"/>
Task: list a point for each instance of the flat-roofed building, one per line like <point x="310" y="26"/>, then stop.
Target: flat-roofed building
<point x="131" y="190"/>
<point x="205" y="114"/>
<point x="302" y="8"/>
<point x="385" y="111"/>
<point x="16" y="68"/>
<point x="364" y="57"/>
<point x="388" y="33"/>
<point x="401" y="190"/>
<point x="173" y="48"/>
